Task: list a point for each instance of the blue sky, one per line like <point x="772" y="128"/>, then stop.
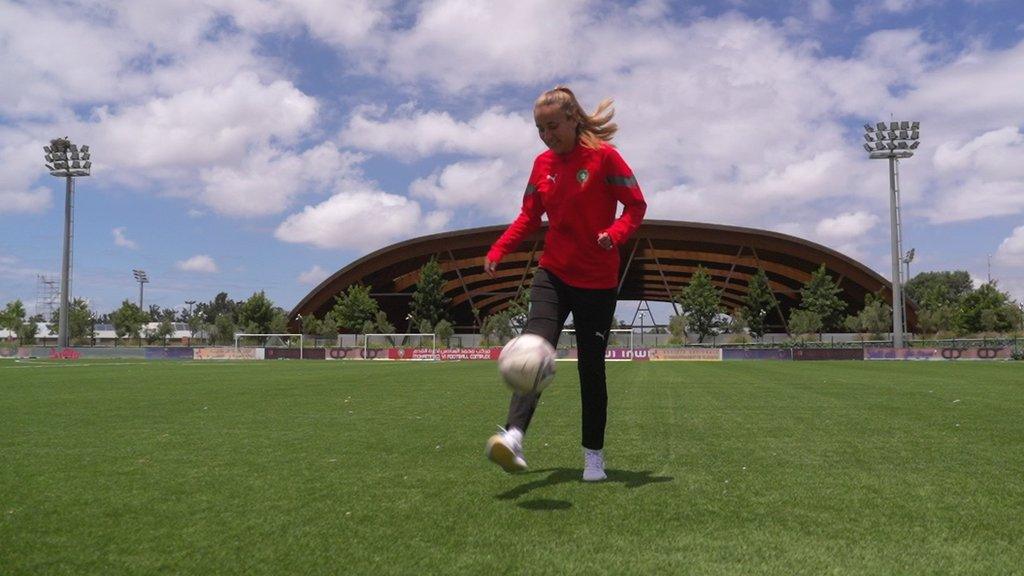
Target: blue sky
<point x="245" y="145"/>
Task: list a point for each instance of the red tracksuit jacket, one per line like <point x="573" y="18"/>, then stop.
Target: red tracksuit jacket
<point x="580" y="192"/>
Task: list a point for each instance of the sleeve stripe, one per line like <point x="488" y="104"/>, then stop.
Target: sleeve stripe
<point x="625" y="181"/>
<point x="530" y="189"/>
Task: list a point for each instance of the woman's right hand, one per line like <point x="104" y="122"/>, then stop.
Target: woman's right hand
<point x="490" y="267"/>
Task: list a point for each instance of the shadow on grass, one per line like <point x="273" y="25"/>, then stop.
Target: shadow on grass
<point x="556" y="476"/>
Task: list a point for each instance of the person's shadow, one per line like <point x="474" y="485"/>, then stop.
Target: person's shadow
<point x="555" y="476"/>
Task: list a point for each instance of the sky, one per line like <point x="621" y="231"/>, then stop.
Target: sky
<point x="246" y="145"/>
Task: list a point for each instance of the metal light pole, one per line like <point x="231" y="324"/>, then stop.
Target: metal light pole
<point x="641" y="329"/>
<point x="142" y="279"/>
<point x="65" y="160"/>
<point x="893" y="142"/>
<point x="907" y="259"/>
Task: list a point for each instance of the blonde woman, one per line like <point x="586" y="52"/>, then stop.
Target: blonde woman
<point x="579" y="182"/>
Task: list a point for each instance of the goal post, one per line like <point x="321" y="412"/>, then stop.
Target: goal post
<point x="400" y="340"/>
<point x="272" y="340"/>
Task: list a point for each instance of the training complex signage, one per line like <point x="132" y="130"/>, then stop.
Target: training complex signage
<point x="686" y="354"/>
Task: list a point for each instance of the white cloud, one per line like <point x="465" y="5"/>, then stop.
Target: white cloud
<point x="120" y="239"/>
<point x="980" y="178"/>
<point x="847" y="226"/>
<point x="1011" y="249"/>
<point x="865" y="12"/>
<point x="491" y="185"/>
<point x="314" y="275"/>
<point x="203" y="126"/>
<point x="268" y="180"/>
<point x="460" y="44"/>
<point x="33" y="201"/>
<point x="21" y="165"/>
<point x="348" y="23"/>
<point x="821" y="10"/>
<point x="198" y="263"/>
<point x="417" y="134"/>
<point x="359" y="220"/>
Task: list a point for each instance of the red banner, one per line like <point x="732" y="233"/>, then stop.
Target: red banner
<point x="443" y="354"/>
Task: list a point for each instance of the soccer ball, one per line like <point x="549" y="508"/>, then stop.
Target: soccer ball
<point x="527" y="363"/>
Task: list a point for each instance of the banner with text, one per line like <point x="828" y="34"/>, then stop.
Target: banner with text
<point x="447" y="354"/>
<point x="975" y="353"/>
<point x="757" y="354"/>
<point x="828" y="354"/>
<point x="686" y="354"/>
<point x="228" y="353"/>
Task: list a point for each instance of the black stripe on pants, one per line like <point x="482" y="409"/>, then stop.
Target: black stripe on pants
<point x="551" y="301"/>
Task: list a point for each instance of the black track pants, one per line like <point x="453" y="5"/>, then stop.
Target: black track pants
<point x="551" y="301"/>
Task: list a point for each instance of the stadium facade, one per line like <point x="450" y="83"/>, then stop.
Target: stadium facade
<point x="656" y="264"/>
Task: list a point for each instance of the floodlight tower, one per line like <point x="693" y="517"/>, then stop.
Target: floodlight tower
<point x="65" y="160"/>
<point x="142" y="279"/>
<point x="893" y="142"/>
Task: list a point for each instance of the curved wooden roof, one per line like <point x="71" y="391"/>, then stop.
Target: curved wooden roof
<point x="655" y="265"/>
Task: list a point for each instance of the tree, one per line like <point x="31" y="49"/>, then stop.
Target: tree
<point x="328" y="327"/>
<point x="444" y="331"/>
<point x="701" y="304"/>
<point x="382" y="324"/>
<point x="875" y="317"/>
<point x="223" y="329"/>
<point x="165" y="330"/>
<point x="934" y="289"/>
<point x="933" y="321"/>
<point x="500" y="327"/>
<point x="13" y="318"/>
<point x="821" y="295"/>
<point x="987" y="309"/>
<point x="497" y="329"/>
<point x="220" y="304"/>
<point x="426" y="327"/>
<point x="311" y="325"/>
<point x="677" y="328"/>
<point x="805" y="322"/>
<point x="27" y="332"/>
<point x="128" y="320"/>
<point x="428" y="301"/>
<point x="757" y="303"/>
<point x="278" y="322"/>
<point x="80" y="321"/>
<point x="353" y="309"/>
<point x="196" y="323"/>
<point x="256" y="314"/>
<point x="158" y="314"/>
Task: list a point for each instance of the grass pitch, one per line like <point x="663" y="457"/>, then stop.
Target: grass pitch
<point x="377" y="468"/>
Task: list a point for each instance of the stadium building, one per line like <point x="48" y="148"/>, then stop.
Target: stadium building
<point x="656" y="264"/>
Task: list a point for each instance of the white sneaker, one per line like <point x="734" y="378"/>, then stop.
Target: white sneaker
<point x="506" y="450"/>
<point x="593" y="465"/>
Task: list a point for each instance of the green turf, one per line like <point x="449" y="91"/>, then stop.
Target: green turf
<point x="290" y="467"/>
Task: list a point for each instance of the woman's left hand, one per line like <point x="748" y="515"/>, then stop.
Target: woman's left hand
<point x="604" y="240"/>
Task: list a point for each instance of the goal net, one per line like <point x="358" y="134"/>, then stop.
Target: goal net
<point x="422" y="342"/>
<point x="270" y="341"/>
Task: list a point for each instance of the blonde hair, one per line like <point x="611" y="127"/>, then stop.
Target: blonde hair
<point x="592" y="129"/>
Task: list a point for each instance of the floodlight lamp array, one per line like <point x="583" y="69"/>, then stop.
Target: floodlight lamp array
<point x="66" y="159"/>
<point x="892" y="140"/>
<point x="140" y="276"/>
